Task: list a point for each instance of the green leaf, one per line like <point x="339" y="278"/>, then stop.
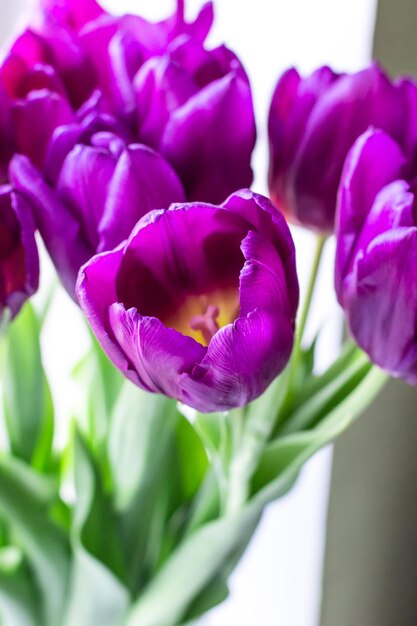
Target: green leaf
<point x="157" y="463"/>
<point x="192" y="568"/>
<point x="19" y="605"/>
<point x="46" y="548"/>
<point x="93" y="410"/>
<point x="284" y="457"/>
<point x="96" y="597"/>
<point x="140" y="426"/>
<point x="329" y="396"/>
<point x="26" y="395"/>
<point x="95" y="522"/>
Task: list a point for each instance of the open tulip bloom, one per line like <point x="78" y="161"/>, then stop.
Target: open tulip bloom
<point x="125" y="146"/>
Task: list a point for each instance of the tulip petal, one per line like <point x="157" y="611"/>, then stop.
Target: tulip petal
<point x="345" y="110"/>
<point x="73" y="13"/>
<point x="19" y="261"/>
<point x="34" y="121"/>
<point x="262" y="280"/>
<point x="158" y="354"/>
<point x="191" y="139"/>
<point x="96" y="293"/>
<point x="382" y="325"/>
<point x="262" y="216"/>
<point x="293" y="100"/>
<point x="82" y="186"/>
<point x="57" y="225"/>
<point x="142" y="181"/>
<point x="202" y="256"/>
<point x="241" y="361"/>
<point x="374" y="161"/>
<point x="161" y="87"/>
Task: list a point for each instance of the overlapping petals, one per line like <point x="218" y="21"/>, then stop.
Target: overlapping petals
<point x="96" y="186"/>
<point x="376" y="279"/>
<point x="200" y="302"/>
<point x="19" y="264"/>
<point x="313" y="122"/>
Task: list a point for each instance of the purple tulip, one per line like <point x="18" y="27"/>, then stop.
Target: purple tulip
<point x="19" y="263"/>
<point x="376" y="278"/>
<point x="313" y="122"/>
<point x="190" y="104"/>
<point x="95" y="187"/>
<point x="200" y="302"/>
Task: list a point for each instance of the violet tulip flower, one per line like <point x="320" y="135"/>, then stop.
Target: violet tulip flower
<point x="376" y="278"/>
<point x="96" y="185"/>
<point x="19" y="263"/>
<point x="200" y="302"/>
<point x="314" y="121"/>
<point x="191" y="104"/>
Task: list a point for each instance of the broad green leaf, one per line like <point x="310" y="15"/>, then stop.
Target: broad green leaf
<point x="326" y="398"/>
<point x="141" y="424"/>
<point x="96" y="597"/>
<point x="192" y="568"/>
<point x="93" y="410"/>
<point x="42" y="542"/>
<point x="18" y="602"/>
<point x="95" y="522"/>
<point x="214" y="593"/>
<point x="284" y="457"/>
<point x="157" y="463"/>
<point x="26" y="396"/>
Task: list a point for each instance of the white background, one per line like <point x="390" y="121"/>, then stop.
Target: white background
<point x="278" y="581"/>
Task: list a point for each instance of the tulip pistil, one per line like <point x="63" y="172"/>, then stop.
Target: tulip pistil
<point x="206" y="322"/>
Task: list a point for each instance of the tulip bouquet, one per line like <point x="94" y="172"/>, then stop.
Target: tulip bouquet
<point x="127" y="145"/>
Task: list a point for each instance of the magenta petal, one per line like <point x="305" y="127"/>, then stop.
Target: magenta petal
<point x="142" y="181"/>
<point x="73" y="13"/>
<point x="58" y="226"/>
<point x="263" y="283"/>
<point x="158" y="354"/>
<point x="293" y="100"/>
<point x="383" y="325"/>
<point x="212" y="169"/>
<point x="374" y="161"/>
<point x="242" y="359"/>
<point x="263" y="217"/>
<point x="161" y="87"/>
<point x="34" y="121"/>
<point x="96" y="293"/>
<point x="83" y="184"/>
<point x="19" y="262"/>
<point x="348" y="107"/>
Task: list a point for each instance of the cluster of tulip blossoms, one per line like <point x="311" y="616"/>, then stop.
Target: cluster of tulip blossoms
<point x="127" y="145"/>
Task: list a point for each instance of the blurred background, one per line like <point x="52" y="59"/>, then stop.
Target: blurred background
<point x="370" y="573"/>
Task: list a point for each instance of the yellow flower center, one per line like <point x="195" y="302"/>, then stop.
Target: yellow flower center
<point x="200" y="317"/>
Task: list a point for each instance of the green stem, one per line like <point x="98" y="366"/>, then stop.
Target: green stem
<point x="318" y="253"/>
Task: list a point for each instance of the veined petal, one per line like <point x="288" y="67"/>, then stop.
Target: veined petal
<point x="263" y="284"/>
<point x="262" y="216"/>
<point x="159" y="355"/>
<point x="382" y="325"/>
<point x="241" y="360"/>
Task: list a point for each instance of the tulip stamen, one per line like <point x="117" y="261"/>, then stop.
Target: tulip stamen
<point x="206" y="322"/>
